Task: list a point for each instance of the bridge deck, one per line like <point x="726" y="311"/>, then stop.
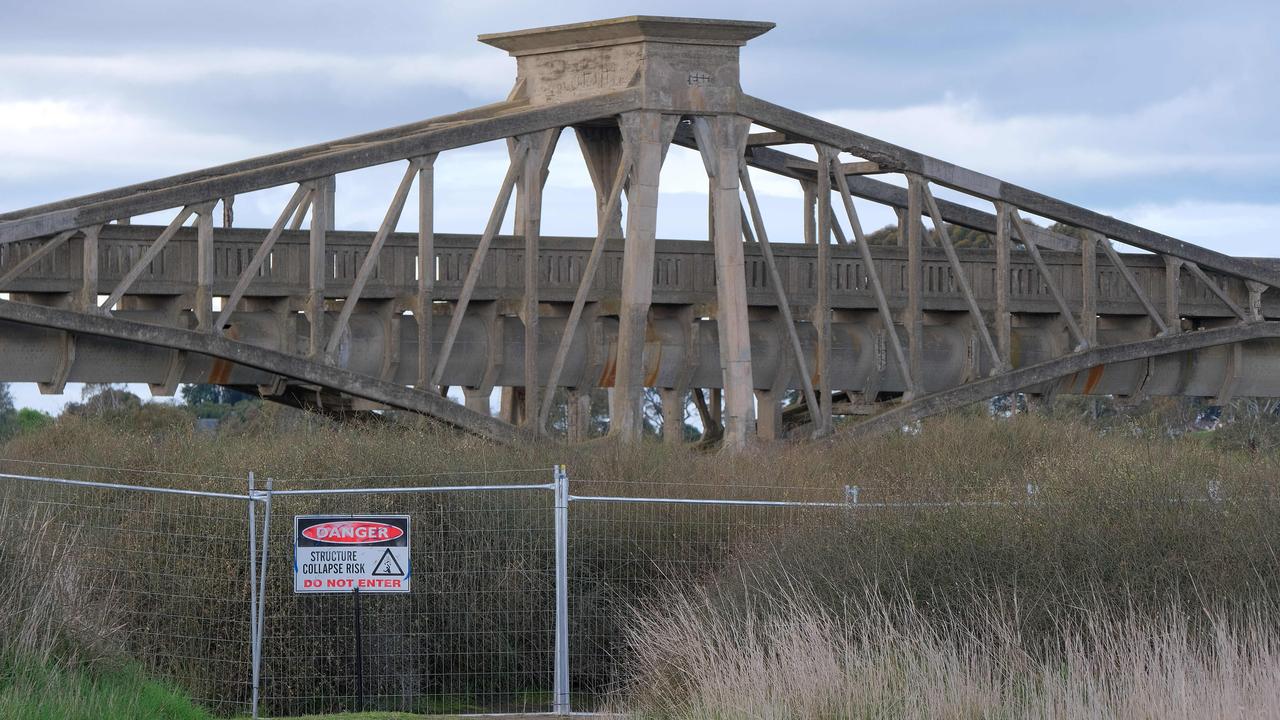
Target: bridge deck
<point x="684" y="272"/>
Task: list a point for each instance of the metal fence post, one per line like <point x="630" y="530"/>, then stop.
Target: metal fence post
<point x="851" y="494"/>
<point x="253" y="598"/>
<point x="560" y="702"/>
<point x="261" y="596"/>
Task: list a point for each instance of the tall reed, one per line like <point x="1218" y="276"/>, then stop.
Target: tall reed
<point x="792" y="656"/>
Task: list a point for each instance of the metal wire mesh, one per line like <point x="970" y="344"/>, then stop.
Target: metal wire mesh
<point x="475" y="634"/>
<point x="168" y="578"/>
<point x="625" y="556"/>
<point x="131" y="575"/>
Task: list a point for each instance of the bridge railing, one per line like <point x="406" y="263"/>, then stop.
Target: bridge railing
<point x="684" y="272"/>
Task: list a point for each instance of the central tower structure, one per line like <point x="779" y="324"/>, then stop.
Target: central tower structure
<point x="683" y="65"/>
<point x="686" y="72"/>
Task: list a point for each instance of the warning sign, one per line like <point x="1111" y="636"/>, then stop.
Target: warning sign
<point x="337" y="554"/>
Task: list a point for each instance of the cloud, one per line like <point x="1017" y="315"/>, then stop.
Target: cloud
<point x="479" y="74"/>
<point x="1244" y="229"/>
<point x="1053" y="148"/>
<point x="47" y="138"/>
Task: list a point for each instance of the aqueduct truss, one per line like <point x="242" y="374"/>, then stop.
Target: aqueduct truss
<point x="305" y="312"/>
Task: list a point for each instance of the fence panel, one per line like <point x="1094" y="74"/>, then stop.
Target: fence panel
<point x="474" y="635"/>
<point x="625" y="556"/>
<point x="165" y="578"/>
<point x="156" y="578"/>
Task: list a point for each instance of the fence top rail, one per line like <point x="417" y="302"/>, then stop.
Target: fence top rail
<point x="118" y="486"/>
<point x="421" y="489"/>
<point x="696" y="501"/>
<point x="441" y="473"/>
<point x="109" y="468"/>
<point x="853" y="504"/>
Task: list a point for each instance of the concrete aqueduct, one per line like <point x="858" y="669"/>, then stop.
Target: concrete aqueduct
<point x="307" y="313"/>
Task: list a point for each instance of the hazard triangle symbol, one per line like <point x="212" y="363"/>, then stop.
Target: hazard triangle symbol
<point x="387" y="565"/>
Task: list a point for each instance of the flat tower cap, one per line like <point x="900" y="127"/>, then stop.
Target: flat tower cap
<point x="623" y="30"/>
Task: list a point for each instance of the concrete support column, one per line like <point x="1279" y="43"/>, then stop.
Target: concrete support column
<point x="477" y="399"/>
<point x="1089" y="287"/>
<point x="528" y="223"/>
<point x="1255" y="299"/>
<point x="821" y="312"/>
<point x="722" y="141"/>
<point x="649" y="135"/>
<point x="1172" y="293"/>
<point x="511" y="405"/>
<point x="672" y="415"/>
<point x="768" y="415"/>
<point x="578" y="415"/>
<point x="913" y="318"/>
<point x="87" y="300"/>
<point x="203" y="299"/>
<point x="423" y="309"/>
<point x="539" y="155"/>
<point x="810" y="205"/>
<point x="901" y="213"/>
<point x="318" y="268"/>
<point x="1003" y="318"/>
<point x="602" y="150"/>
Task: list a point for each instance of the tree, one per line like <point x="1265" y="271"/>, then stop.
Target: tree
<point x="1068" y="230"/>
<point x="14" y="422"/>
<point x="102" y="398"/>
<point x="194" y="395"/>
<point x="6" y="401"/>
<point x="961" y="237"/>
<point x="29" y="419"/>
<point x="8" y="415"/>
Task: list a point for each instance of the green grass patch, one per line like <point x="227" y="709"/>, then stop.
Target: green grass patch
<point x="366" y="716"/>
<point x="34" y="691"/>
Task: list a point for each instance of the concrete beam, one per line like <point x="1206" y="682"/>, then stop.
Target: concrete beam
<point x="291" y="366"/>
<point x="896" y="158"/>
<point x="1063" y="367"/>
<point x="236" y="178"/>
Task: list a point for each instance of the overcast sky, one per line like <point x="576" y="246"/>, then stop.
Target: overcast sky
<point x="1160" y="113"/>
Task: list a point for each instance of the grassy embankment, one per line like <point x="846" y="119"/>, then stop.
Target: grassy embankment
<point x="55" y="691"/>
<point x="1117" y="592"/>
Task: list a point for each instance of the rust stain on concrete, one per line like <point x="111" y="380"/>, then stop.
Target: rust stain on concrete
<point x="610" y="372"/>
<point x="220" y="372"/>
<point x="1092" y="380"/>
<point x="651" y="374"/>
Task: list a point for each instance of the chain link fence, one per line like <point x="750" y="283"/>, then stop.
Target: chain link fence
<point x="521" y="592"/>
<point x="474" y="635"/>
<point x="628" y="553"/>
<point x="154" y="575"/>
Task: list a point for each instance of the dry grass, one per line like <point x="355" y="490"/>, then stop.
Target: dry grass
<point x="797" y="658"/>
<point x="957" y="456"/>
<point x="1106" y="554"/>
<point x="50" y="612"/>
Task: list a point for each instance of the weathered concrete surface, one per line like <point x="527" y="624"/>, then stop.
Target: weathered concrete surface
<point x="678" y="64"/>
<point x="220" y="349"/>
<point x="330" y="309"/>
<point x="675" y="354"/>
<point x="382" y="341"/>
<point x="1161" y="350"/>
<point x="684" y="272"/>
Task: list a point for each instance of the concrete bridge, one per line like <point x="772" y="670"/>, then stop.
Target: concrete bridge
<point x="307" y="313"/>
